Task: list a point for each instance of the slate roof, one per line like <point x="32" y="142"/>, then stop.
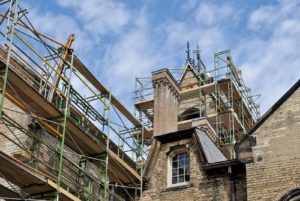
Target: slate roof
<point x="210" y="150"/>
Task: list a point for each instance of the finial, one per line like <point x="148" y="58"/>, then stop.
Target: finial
<point x="200" y="64"/>
<point x="188" y="58"/>
<point x="197" y="52"/>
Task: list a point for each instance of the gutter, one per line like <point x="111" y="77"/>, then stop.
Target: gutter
<point x="229" y="163"/>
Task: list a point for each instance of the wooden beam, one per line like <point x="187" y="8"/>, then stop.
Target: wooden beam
<point x="22" y="175"/>
<point x="62" y="190"/>
<point x="42" y="122"/>
<point x="6" y="192"/>
<point x="81" y="137"/>
<point x="127" y="167"/>
<point x="92" y="79"/>
<point x="145" y="105"/>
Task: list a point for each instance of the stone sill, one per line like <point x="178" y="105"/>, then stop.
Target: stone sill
<point x="179" y="187"/>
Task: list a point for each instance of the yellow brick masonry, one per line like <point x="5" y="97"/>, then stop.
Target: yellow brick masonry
<point x="215" y="187"/>
<point x="276" y="167"/>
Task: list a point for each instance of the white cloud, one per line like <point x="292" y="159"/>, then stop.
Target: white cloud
<point x="267" y="17"/>
<point x="99" y="16"/>
<point x="146" y="47"/>
<point x="134" y="53"/>
<point x="60" y="27"/>
<point x="210" y="39"/>
<point x="272" y="63"/>
<point x="266" y="51"/>
<point x="213" y="14"/>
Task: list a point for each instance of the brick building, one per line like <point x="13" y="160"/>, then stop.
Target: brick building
<point x="196" y="134"/>
<point x="199" y="152"/>
<point x="271" y="151"/>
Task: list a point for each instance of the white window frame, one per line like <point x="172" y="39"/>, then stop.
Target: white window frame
<point x="169" y="167"/>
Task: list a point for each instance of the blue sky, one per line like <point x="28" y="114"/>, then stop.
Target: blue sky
<point x="119" y="40"/>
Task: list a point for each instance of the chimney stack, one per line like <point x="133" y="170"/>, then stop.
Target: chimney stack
<point x="166" y="99"/>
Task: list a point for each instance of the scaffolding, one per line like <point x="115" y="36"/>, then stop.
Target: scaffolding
<point x="84" y="144"/>
<point x="233" y="100"/>
<point x="219" y="95"/>
<point x="142" y="94"/>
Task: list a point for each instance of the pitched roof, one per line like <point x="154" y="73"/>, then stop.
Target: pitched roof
<point x="188" y="68"/>
<point x="210" y="150"/>
<point x="275" y="107"/>
<point x="207" y="149"/>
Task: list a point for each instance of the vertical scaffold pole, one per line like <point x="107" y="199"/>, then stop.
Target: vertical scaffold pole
<point x="106" y="185"/>
<point x="200" y="95"/>
<point x="13" y="11"/>
<point x="90" y="190"/>
<point x="216" y="72"/>
<point x="141" y="163"/>
<point x="66" y="113"/>
<point x="232" y="112"/>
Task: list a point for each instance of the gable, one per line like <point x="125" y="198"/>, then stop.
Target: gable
<point x="271" y="128"/>
<point x="276" y="159"/>
<point x="275" y="107"/>
<point x="281" y="128"/>
<point x="189" y="79"/>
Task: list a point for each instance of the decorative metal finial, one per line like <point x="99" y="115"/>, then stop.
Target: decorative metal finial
<point x="188" y="58"/>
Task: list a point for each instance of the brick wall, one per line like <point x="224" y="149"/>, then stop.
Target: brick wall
<point x="12" y="140"/>
<point x="205" y="185"/>
<point x="14" y="134"/>
<point x="276" y="166"/>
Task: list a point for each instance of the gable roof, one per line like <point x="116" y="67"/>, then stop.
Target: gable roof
<point x="275" y="107"/>
<point x="248" y="141"/>
<point x="188" y="66"/>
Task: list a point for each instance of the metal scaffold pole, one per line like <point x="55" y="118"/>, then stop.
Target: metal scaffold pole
<point x="74" y="134"/>
<point x="141" y="162"/>
<point x="106" y="182"/>
<point x="217" y="94"/>
<point x="66" y="114"/>
<point x="13" y="16"/>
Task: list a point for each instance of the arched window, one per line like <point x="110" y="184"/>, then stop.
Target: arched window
<point x="293" y="195"/>
<point x="179" y="168"/>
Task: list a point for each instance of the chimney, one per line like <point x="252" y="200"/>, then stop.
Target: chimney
<point x="166" y="98"/>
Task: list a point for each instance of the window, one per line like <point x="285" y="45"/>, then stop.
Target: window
<point x="180" y="168"/>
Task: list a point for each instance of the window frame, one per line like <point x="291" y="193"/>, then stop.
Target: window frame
<point x="170" y="167"/>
